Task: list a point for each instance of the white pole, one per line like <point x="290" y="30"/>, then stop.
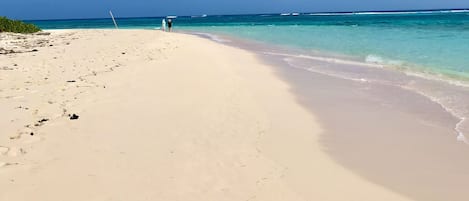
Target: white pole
<point x="112" y="16"/>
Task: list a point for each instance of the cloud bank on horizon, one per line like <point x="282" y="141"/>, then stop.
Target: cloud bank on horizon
<point x="56" y="9"/>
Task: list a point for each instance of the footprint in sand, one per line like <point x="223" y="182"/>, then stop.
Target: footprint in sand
<point x="16" y="136"/>
<point x="27" y="130"/>
<point x="12" y="151"/>
<point x="30" y="139"/>
<point x="4" y="150"/>
<point x="16" y="151"/>
<point x="5" y="164"/>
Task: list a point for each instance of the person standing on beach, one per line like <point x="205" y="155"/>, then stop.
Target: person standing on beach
<point x="163" y="25"/>
<point x="170" y="25"/>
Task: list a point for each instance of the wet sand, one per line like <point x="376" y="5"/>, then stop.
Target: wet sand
<point x="395" y="138"/>
<point x="386" y="133"/>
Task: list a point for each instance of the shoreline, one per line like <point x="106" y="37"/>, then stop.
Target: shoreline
<point x="377" y="122"/>
<point x="456" y="86"/>
<point x="409" y="68"/>
<point x="336" y="57"/>
<point x="160" y="117"/>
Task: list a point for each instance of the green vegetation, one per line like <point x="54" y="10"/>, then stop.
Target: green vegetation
<point x="16" y="26"/>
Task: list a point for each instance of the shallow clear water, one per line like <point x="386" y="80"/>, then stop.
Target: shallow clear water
<point x="433" y="43"/>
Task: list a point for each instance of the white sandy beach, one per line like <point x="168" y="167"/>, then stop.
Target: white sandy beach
<point x="162" y="116"/>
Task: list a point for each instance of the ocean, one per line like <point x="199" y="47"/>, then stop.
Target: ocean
<point x="428" y="49"/>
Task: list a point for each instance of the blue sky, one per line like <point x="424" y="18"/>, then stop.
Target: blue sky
<point x="66" y="9"/>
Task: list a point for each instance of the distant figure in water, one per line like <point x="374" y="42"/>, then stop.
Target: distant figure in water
<point x="170" y="25"/>
<point x="163" y="25"/>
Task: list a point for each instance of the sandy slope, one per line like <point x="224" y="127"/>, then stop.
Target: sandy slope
<point x="161" y="117"/>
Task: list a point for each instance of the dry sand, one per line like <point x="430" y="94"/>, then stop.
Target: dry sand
<point x="161" y="117"/>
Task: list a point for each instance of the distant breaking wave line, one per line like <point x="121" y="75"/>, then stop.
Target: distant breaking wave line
<point x="390" y="12"/>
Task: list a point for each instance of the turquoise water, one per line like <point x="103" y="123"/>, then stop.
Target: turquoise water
<point x="435" y="42"/>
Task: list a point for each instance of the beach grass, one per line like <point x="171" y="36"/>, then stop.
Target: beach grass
<point x="17" y="26"/>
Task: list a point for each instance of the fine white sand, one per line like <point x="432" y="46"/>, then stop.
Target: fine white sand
<point x="162" y="116"/>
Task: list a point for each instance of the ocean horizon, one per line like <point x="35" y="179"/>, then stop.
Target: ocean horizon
<point x="274" y="13"/>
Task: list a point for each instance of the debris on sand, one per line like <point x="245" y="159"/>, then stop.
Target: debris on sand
<point x="43" y="120"/>
<point x="73" y="116"/>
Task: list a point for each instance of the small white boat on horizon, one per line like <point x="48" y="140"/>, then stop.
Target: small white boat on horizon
<point x="290" y="14"/>
<point x="197" y="16"/>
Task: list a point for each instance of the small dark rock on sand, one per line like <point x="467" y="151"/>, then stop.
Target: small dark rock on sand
<point x="73" y="116"/>
<point x="71" y="81"/>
